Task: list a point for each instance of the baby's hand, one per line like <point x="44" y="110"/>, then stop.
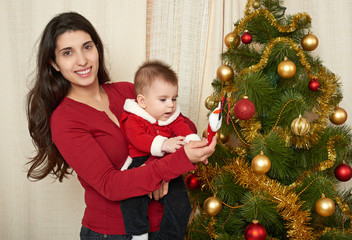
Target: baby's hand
<point x="170" y="145"/>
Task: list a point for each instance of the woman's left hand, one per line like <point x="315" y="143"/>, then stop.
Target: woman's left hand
<point x="161" y="192"/>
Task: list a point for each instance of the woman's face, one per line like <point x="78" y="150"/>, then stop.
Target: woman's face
<point x="77" y="59"/>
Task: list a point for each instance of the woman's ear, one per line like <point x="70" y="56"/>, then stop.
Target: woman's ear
<point x="141" y="101"/>
<point x="52" y="63"/>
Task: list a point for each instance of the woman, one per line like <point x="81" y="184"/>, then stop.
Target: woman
<point x="73" y="116"/>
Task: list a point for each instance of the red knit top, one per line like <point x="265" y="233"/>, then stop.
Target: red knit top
<point x="94" y="146"/>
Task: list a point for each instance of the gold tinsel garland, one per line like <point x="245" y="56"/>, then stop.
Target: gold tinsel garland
<point x="272" y="20"/>
<point x="289" y="205"/>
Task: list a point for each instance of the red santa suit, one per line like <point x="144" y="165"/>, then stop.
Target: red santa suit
<point x="145" y="135"/>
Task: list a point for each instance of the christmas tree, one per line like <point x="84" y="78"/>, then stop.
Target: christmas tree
<point x="282" y="146"/>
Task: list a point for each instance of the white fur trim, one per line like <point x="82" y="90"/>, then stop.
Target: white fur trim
<point x="127" y="163"/>
<point x="144" y="236"/>
<point x="155" y="149"/>
<point x="172" y="117"/>
<point x="191" y="137"/>
<point x="132" y="106"/>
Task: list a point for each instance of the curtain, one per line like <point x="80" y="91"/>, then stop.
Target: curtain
<point x="186" y="34"/>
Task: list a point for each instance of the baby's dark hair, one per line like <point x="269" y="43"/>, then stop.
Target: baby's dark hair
<point x="149" y="71"/>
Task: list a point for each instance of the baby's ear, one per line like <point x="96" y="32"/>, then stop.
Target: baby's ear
<point x="52" y="63"/>
<point x="141" y="101"/>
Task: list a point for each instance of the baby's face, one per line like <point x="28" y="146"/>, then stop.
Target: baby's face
<point x="161" y="100"/>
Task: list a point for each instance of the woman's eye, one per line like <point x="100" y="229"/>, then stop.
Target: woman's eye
<point x="67" y="53"/>
<point x="88" y="46"/>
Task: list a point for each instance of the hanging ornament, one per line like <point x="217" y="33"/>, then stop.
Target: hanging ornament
<point x="225" y="73"/>
<point x="300" y="126"/>
<point x="309" y="42"/>
<point x="210" y="102"/>
<point x="223" y="138"/>
<point x="212" y="206"/>
<point x="286" y="69"/>
<point x="246" y="37"/>
<point x="313" y="85"/>
<point x="339" y="116"/>
<point x="255" y="231"/>
<point x="232" y="40"/>
<point x="192" y="181"/>
<point x="325" y="207"/>
<point x="343" y="172"/>
<point x="261" y="164"/>
<point x="244" y="109"/>
<point x="256" y="4"/>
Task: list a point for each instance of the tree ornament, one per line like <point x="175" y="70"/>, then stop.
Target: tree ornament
<point x="246" y="37"/>
<point x="313" y="85"/>
<point x="256" y="4"/>
<point x="286" y="69"/>
<point x="244" y="109"/>
<point x="300" y="126"/>
<point x="192" y="181"/>
<point x="212" y="206"/>
<point x="309" y="42"/>
<point x="225" y="73"/>
<point x="325" y="207"/>
<point x="339" y="116"/>
<point x="261" y="164"/>
<point x="255" y="231"/>
<point x="343" y="172"/>
<point x="210" y="102"/>
<point x="223" y="138"/>
<point x="232" y="40"/>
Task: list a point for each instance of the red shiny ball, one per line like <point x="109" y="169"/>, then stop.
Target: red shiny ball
<point x="255" y="231"/>
<point x="343" y="172"/>
<point x="192" y="181"/>
<point x="244" y="109"/>
<point x="314" y="85"/>
<point x="246" y="37"/>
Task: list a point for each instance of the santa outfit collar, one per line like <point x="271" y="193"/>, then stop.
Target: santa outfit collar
<point x="132" y="106"/>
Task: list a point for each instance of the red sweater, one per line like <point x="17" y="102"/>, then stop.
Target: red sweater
<point x="95" y="148"/>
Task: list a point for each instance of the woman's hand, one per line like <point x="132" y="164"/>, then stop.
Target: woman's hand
<point x="199" y="151"/>
<point x="161" y="192"/>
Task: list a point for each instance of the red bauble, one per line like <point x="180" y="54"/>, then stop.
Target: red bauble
<point x="246" y="37"/>
<point x="255" y="231"/>
<point x="244" y="109"/>
<point x="192" y="181"/>
<point x="343" y="172"/>
<point x="314" y="85"/>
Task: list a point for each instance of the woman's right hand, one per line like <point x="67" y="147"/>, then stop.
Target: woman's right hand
<point x="199" y="151"/>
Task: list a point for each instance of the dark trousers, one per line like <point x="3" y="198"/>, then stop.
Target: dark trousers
<point x="177" y="209"/>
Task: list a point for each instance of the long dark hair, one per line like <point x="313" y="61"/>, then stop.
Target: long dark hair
<point x="49" y="89"/>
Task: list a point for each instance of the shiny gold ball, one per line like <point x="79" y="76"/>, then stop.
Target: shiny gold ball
<point x="339" y="116"/>
<point x="256" y="4"/>
<point x="286" y="69"/>
<point x="300" y="126"/>
<point x="210" y="102"/>
<point x="223" y="138"/>
<point x="232" y="40"/>
<point x="309" y="42"/>
<point x="325" y="207"/>
<point x="225" y="73"/>
<point x="261" y="164"/>
<point x="212" y="206"/>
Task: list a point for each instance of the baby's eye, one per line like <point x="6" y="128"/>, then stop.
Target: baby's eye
<point x="162" y="99"/>
<point x="174" y="99"/>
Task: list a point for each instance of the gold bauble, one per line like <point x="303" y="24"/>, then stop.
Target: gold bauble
<point x="325" y="207"/>
<point x="225" y="73"/>
<point x="261" y="164"/>
<point x="300" y="126"/>
<point x="256" y="4"/>
<point x="210" y="102"/>
<point x="232" y="40"/>
<point x="309" y="42"/>
<point x="339" y="116"/>
<point x="223" y="138"/>
<point x="286" y="69"/>
<point x="212" y="206"/>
